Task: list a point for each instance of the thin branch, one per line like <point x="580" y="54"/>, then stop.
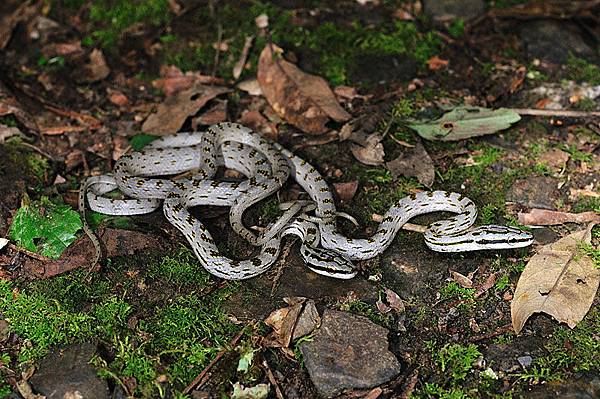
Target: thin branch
<point x="198" y="379"/>
<point x="558" y="112"/>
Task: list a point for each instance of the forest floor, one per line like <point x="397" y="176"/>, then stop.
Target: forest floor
<point x="82" y="82"/>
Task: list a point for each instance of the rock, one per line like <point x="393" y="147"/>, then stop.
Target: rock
<point x="525" y="361"/>
<point x="67" y="373"/>
<point x="553" y="41"/>
<point x="449" y="10"/>
<point x="534" y="192"/>
<point x="348" y="351"/>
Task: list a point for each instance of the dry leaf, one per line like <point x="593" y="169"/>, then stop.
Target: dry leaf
<point x="435" y="63"/>
<point x="559" y="280"/>
<point x="215" y="114"/>
<point x="9" y="105"/>
<point x="346" y="191"/>
<point x="554" y="158"/>
<point x="7" y="132"/>
<point x="394" y="300"/>
<point x="93" y="71"/>
<point x="23" y="11"/>
<point x="173" y="80"/>
<point x="118" y="98"/>
<point x="461" y="279"/>
<point x="282" y="321"/>
<point x="487" y="284"/>
<point x="544" y="217"/>
<point x="304" y="100"/>
<point x="172" y="113"/>
<point x="371" y="152"/>
<point x="415" y="162"/>
<point x="257" y="122"/>
<point x="250" y="86"/>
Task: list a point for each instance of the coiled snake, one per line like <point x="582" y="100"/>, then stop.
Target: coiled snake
<point x="267" y="166"/>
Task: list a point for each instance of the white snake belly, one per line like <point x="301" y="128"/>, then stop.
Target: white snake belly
<point x="267" y="166"/>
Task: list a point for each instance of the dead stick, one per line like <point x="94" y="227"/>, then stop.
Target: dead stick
<point x="27" y="252"/>
<point x="222" y="353"/>
<point x="558" y="112"/>
<point x="273" y="380"/>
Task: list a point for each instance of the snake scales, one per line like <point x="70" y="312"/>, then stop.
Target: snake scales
<point x="267" y="165"/>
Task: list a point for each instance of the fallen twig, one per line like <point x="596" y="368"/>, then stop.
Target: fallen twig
<point x="27" y="252"/>
<point x="197" y="382"/>
<point x="272" y="380"/>
<point x="502" y="330"/>
<point x="555" y="112"/>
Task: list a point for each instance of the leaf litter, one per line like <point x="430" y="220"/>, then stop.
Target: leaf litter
<point x="560" y="280"/>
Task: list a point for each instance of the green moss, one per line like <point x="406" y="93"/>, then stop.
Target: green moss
<point x="334" y="49"/>
<point x="178" y="269"/>
<point x="40" y="321"/>
<point x="190" y="330"/>
<point x="457" y="360"/>
<point x="582" y="71"/>
<point x="453" y="290"/>
<point x="370" y="311"/>
<point x="112" y="17"/>
<point x="587" y="204"/>
<point x="457" y="28"/>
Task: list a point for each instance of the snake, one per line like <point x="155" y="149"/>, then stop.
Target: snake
<point x="146" y="179"/>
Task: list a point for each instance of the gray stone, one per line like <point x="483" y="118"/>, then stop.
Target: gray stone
<point x="553" y="41"/>
<point x="348" y="352"/>
<point x="525" y="361"/>
<point x="450" y="10"/>
<point x="534" y="192"/>
<point x="67" y="373"/>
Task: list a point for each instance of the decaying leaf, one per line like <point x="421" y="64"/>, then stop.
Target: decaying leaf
<point x="371" y="152"/>
<point x="94" y="70"/>
<point x="414" y="162"/>
<point x="559" y="280"/>
<point x="215" y="114"/>
<point x="8" y="132"/>
<point x="259" y="391"/>
<point x="292" y="322"/>
<point x="250" y="86"/>
<point x="173" y="80"/>
<point x="346" y="191"/>
<point x="465" y="122"/>
<point x="544" y="217"/>
<point x="257" y="122"/>
<point x="9" y="105"/>
<point x="435" y="63"/>
<point x="23" y="10"/>
<point x="304" y="100"/>
<point x="172" y="113"/>
<point x="461" y="279"/>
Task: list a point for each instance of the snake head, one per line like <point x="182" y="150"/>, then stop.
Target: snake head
<point x="500" y="237"/>
<point x="327" y="263"/>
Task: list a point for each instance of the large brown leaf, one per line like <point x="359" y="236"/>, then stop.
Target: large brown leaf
<point x="559" y="280"/>
<point x="172" y="113"/>
<point x="304" y="100"/>
<point x="415" y="162"/>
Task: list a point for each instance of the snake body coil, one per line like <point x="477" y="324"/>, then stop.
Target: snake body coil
<point x="267" y="166"/>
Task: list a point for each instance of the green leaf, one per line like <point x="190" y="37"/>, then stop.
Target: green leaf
<point x="45" y="227"/>
<point x="139" y="141"/>
<point x="246" y="360"/>
<point x="466" y="122"/>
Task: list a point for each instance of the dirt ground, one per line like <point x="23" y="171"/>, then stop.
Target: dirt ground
<point x="83" y="82"/>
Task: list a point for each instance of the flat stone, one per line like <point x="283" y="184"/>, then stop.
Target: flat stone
<point x="450" y="10"/>
<point x="553" y="41"/>
<point x="534" y="192"/>
<point x="67" y="373"/>
<point x="348" y="352"/>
